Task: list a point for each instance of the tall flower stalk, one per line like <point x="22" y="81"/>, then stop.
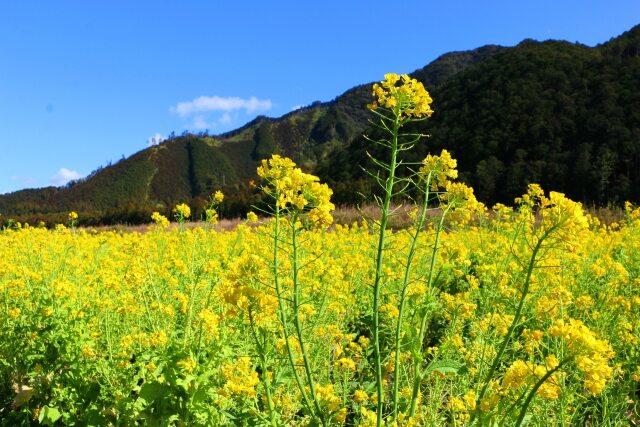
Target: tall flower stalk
<point x="295" y="194"/>
<point x="398" y="101"/>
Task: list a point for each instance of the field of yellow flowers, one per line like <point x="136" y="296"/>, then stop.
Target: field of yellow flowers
<point x="182" y="327"/>
<point x="523" y="315"/>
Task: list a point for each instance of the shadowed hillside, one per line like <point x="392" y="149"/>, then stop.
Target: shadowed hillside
<point x="560" y="114"/>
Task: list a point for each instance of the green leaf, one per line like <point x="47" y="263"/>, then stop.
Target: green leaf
<point x="48" y="416"/>
<point x="151" y="391"/>
<point x="185" y="382"/>
<point x="446" y="367"/>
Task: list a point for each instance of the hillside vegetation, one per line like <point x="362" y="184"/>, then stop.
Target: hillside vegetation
<point x="561" y="114"/>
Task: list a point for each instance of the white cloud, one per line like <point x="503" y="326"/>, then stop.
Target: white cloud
<point x="297" y="107"/>
<point x="225" y="119"/>
<point x="64" y="175"/>
<point x="216" y="103"/>
<point x="199" y="123"/>
<point x="155" y="139"/>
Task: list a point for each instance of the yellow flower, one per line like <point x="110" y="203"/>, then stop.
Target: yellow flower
<point x="210" y="322"/>
<point x="158" y="339"/>
<point x="211" y="216"/>
<point x="592" y="354"/>
<point x="159" y="219"/>
<point x="241" y="379"/>
<point x="360" y="396"/>
<point x="295" y="190"/>
<point x="252" y="217"/>
<point x="517" y="374"/>
<point x="188" y="364"/>
<point x="346" y="364"/>
<point x="438" y="170"/>
<point x="456" y="404"/>
<point x="327" y="397"/>
<point x="404" y="96"/>
<point x="182" y="211"/>
<point x="470" y="400"/>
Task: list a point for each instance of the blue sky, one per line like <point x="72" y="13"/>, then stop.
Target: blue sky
<point x="83" y="83"/>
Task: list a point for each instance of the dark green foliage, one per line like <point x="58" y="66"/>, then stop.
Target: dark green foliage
<point x="209" y="168"/>
<point x="25" y="201"/>
<point x="563" y="115"/>
<point x="555" y="113"/>
<point x="265" y="145"/>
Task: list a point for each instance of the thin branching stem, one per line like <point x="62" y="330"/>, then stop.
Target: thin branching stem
<point x="378" y="282"/>
<point x="403" y="296"/>
<point x="296" y="318"/>
<point x="282" y="312"/>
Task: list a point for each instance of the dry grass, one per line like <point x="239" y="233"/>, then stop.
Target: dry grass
<point x="347" y="215"/>
<point x="223" y="224"/>
<point x="607" y="215"/>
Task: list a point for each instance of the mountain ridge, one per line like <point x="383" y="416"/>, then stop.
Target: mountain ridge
<point x="509" y="114"/>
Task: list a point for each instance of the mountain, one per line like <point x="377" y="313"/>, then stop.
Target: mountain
<point x="564" y="115"/>
<point x="189" y="167"/>
<point x="561" y="114"/>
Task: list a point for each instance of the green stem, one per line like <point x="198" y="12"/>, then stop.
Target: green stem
<point x="379" y="258"/>
<point x="417" y="354"/>
<point x="265" y="374"/>
<point x="296" y="318"/>
<point x="200" y="324"/>
<point x="516" y="317"/>
<point x="282" y="311"/>
<point x="190" y="307"/>
<point x="405" y="286"/>
<point x="532" y="393"/>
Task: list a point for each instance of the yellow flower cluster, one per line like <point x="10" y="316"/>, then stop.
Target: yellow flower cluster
<point x="555" y="210"/>
<point x="632" y="213"/>
<point x="210" y="322"/>
<point x="252" y="218"/>
<point x="327" y="396"/>
<point x="182" y="211"/>
<point x="188" y="365"/>
<point x="160" y="220"/>
<point x="522" y="373"/>
<point x="404" y="96"/>
<point x="210" y="213"/>
<point x="130" y="306"/>
<point x="142" y="339"/>
<point x="293" y="189"/>
<point x="462" y="406"/>
<point x="241" y="379"/>
<point x="211" y="216"/>
<point x="459" y="194"/>
<point x="592" y="354"/>
<point x="438" y="170"/>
